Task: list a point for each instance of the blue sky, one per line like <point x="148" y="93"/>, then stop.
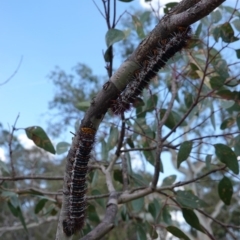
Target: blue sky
<point x="46" y="34"/>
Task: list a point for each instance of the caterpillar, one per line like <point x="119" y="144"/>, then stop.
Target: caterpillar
<point x="75" y="200"/>
<point x="156" y="60"/>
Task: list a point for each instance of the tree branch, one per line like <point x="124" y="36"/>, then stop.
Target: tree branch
<point x="192" y="12"/>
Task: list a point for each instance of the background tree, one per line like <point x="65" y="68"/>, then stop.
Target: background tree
<point x="188" y="115"/>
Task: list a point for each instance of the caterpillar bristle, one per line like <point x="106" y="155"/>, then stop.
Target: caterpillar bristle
<point x="149" y="68"/>
<point x="76" y="171"/>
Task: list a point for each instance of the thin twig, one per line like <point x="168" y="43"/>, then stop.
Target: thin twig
<point x="114" y="14"/>
<point x="17" y="178"/>
<point x="124" y="172"/>
<point x="225" y="226"/>
<point x="15" y="72"/>
<point x="10" y="146"/>
<point x="99" y="9"/>
<point x="121" y="138"/>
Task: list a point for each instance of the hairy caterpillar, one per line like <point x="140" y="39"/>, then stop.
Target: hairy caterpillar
<point x="76" y="184"/>
<point x="156" y="60"/>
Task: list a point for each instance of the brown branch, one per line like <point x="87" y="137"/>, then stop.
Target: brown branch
<point x="15" y="72"/>
<point x="194" y="104"/>
<point x="19" y="178"/>
<point x="118" y="82"/>
<point x="159" y="133"/>
<point x="141" y="192"/>
<point x="217" y="221"/>
<point x="138" y="149"/>
<point x="225" y="226"/>
<point x="29" y="225"/>
<point x="107" y="223"/>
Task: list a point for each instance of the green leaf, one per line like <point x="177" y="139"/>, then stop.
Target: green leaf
<point x="137" y="204"/>
<point x="154" y="208"/>
<point x="184" y="151"/>
<point x="40" y="138"/>
<point x="177" y="232"/>
<point x="168" y="181"/>
<point x="236" y="145"/>
<point x="138" y="179"/>
<point x="150" y="157"/>
<point x="154" y="234"/>
<point x="83" y="105"/>
<point x="117" y="175"/>
<point x="151" y="103"/>
<point x="138" y="104"/>
<point x="231" y="10"/>
<point x="130" y="142"/>
<point x="172" y="119"/>
<point x="191" y="218"/>
<point x="226" y="104"/>
<point x="40" y="205"/>
<point x="145" y="16"/>
<point x="228" y="95"/>
<point x="22" y="220"/>
<point x="221" y="67"/>
<point x="166" y="215"/>
<point x="15" y="201"/>
<point x="216" y="33"/>
<point x="35" y="192"/>
<point x="169" y="6"/>
<point x="92" y="213"/>
<point x="217" y="82"/>
<point x="236" y="24"/>
<point x="170" y="122"/>
<point x="113" y="36"/>
<point x="141" y="233"/>
<point x="227" y="33"/>
<point x="227" y="156"/>
<point x="225" y="190"/>
<point x="189" y="200"/>
<point x="113" y="137"/>
<point x="208" y="160"/>
<point x="227" y="123"/>
<point x="104" y="151"/>
<point x="198" y="30"/>
<point x="8" y="194"/>
<point x="188" y="99"/>
<point x="100" y="201"/>
<point x="238" y="121"/>
<point x="108" y="55"/>
<point x="216" y="16"/>
<point x="62" y="147"/>
<point x="94" y="178"/>
<point x="124" y="213"/>
<point x="4" y="167"/>
<point x="50" y="210"/>
<point x="14" y="210"/>
<point x="238" y="53"/>
<point x="138" y="26"/>
<point x="17" y="212"/>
